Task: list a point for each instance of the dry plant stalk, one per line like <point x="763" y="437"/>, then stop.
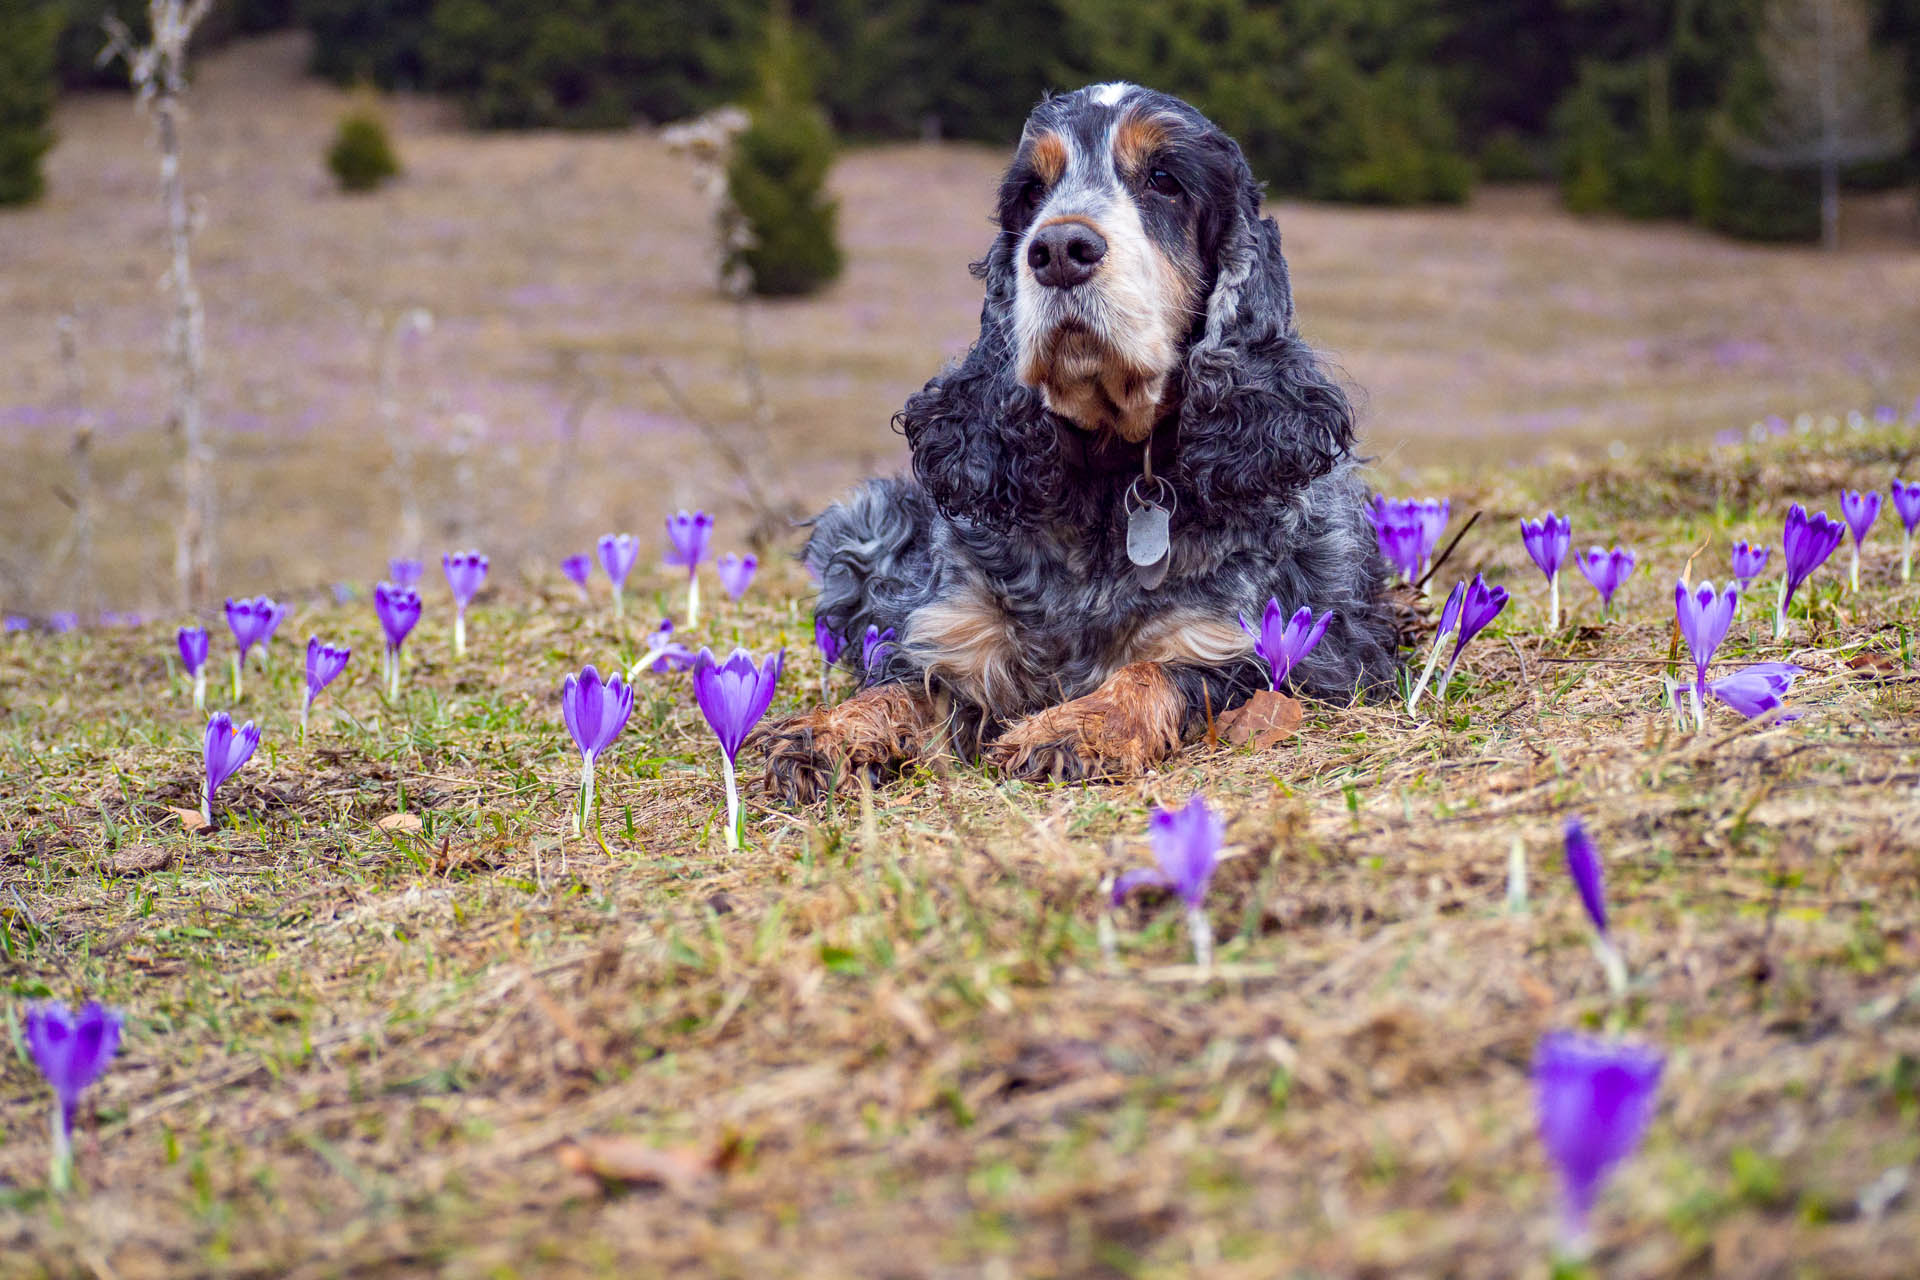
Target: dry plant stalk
<point x="158" y="71"/>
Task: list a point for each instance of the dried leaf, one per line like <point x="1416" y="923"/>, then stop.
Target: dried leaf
<point x="688" y="1172"/>
<point x="138" y="862"/>
<point x="1868" y="665"/>
<point x="1264" y="720"/>
<point x="190" y="819"/>
<point x="399" y="822"/>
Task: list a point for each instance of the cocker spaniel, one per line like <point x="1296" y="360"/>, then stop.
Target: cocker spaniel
<point x="1138" y="449"/>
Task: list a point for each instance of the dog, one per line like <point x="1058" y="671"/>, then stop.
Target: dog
<point x="1138" y="450"/>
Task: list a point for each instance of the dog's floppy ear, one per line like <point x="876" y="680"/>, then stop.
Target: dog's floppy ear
<point x="984" y="447"/>
<point x="1260" y="414"/>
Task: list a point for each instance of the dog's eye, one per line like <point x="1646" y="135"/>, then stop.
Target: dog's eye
<point x="1030" y="193"/>
<point x="1160" y="182"/>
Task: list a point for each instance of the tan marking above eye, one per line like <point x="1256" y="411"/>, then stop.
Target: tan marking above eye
<point x="1049" y="157"/>
<point x="1135" y="141"/>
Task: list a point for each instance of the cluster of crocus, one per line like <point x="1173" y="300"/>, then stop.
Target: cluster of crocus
<point x="874" y="648"/>
<point x="733" y="695"/>
<point x="736" y="573"/>
<point x="1282" y="643"/>
<point x="1749" y="562"/>
<point x="399" y="610"/>
<point x="466" y="571"/>
<point x="664" y="653"/>
<point x="830" y="644"/>
<point x="1470" y="607"/>
<point x="1705" y="617"/>
<point x="405" y="571"/>
<point x="251" y="622"/>
<point x="193" y="656"/>
<point x="596" y="711"/>
<point x="1608" y="569"/>
<point x="1906" y="504"/>
<point x="617" y="552"/>
<point x="578" y="569"/>
<point x="1408" y="529"/>
<point x="1595" y="1099"/>
<point x="72" y="1051"/>
<point x="688" y="533"/>
<point x="1808" y="541"/>
<point x="1547" y="540"/>
<point x="324" y="663"/>
<point x="225" y="750"/>
<point x="1860" y="510"/>
<point x="1186" y="847"/>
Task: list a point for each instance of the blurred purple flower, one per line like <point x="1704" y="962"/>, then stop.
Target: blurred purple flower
<point x="251" y="622"/>
<point x="1906" y="503"/>
<point x="578" y="569"/>
<point x="1280" y="643"/>
<point x="595" y="712"/>
<point x="1607" y="570"/>
<point x="1186" y="845"/>
<point x="688" y="533"/>
<point x="1547" y="540"/>
<point x="617" y="553"/>
<point x="405" y="572"/>
<point x="72" y="1051"/>
<point x="1749" y="562"/>
<point x="226" y="749"/>
<point x="1583" y="864"/>
<point x="1886" y="415"/>
<point x="399" y="610"/>
<point x="736" y="573"/>
<point x="1808" y="541"/>
<point x="874" y="648"/>
<point x="1705" y="618"/>
<point x="194" y="644"/>
<point x="1861" y="510"/>
<point x="1756" y="690"/>
<point x="324" y="663"/>
<point x="342" y="592"/>
<point x="466" y="571"/>
<point x="1408" y="529"/>
<point x="1595" y="1099"/>
<point x="733" y="696"/>
<point x="16" y="622"/>
<point x="830" y="645"/>
<point x="664" y="653"/>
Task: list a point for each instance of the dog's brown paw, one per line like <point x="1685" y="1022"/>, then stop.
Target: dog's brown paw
<point x="828" y="748"/>
<point x="1120" y="730"/>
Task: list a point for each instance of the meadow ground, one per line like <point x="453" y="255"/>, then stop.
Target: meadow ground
<point x="566" y="273"/>
<point x="885" y="1039"/>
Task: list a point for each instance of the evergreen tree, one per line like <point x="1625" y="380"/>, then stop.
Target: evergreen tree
<point x="29" y="30"/>
<point x="779" y="173"/>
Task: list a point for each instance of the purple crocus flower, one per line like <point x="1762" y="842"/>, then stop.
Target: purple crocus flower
<point x="617" y="553"/>
<point x="1407" y="530"/>
<point x="830" y="644"/>
<point x="664" y="653"/>
<point x="1860" y="510"/>
<point x="1431" y="514"/>
<point x="1449" y="626"/>
<point x="1704" y="617"/>
<point x="1282" y="644"/>
<point x="1186" y="845"/>
<point x="595" y="711"/>
<point x="1595" y="1100"/>
<point x="1583" y="865"/>
<point x="874" y="648"/>
<point x="281" y="612"/>
<point x="1906" y="504"/>
<point x="688" y="533"/>
<point x="251" y="622"/>
<point x="1547" y="540"/>
<point x="63" y="621"/>
<point x="72" y="1051"/>
<point x="193" y="656"/>
<point x="736" y="573"/>
<point x="733" y="696"/>
<point x="324" y="663"/>
<point x="226" y="749"/>
<point x="1808" y="541"/>
<point x="466" y="571"/>
<point x="1749" y="562"/>
<point x="1607" y="569"/>
<point x="1756" y="690"/>
<point x="405" y="571"/>
<point x="399" y="610"/>
<point x="578" y="569"/>
<point x="1479" y="606"/>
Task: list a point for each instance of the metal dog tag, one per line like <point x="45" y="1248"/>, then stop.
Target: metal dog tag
<point x="1147" y="535"/>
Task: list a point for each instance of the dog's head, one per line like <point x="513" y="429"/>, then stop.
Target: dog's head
<point x="1133" y="278"/>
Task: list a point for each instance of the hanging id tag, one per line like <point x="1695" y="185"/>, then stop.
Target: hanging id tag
<point x="1149" y="533"/>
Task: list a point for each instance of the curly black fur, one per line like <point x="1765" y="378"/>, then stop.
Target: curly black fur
<point x="1011" y="501"/>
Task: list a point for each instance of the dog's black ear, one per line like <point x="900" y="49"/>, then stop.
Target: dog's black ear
<point x="1260" y="413"/>
<point x="984" y="447"/>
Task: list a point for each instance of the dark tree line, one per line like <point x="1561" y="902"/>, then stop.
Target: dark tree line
<point x="1629" y="104"/>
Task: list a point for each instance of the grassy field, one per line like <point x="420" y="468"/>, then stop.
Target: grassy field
<point x="566" y="274"/>
<point x="885" y="1039"/>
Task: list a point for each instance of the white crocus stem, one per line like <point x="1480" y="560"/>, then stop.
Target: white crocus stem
<point x="61" y="1176"/>
<point x="1906" y="555"/>
<point x="200" y="688"/>
<point x="306" y="705"/>
<point x="1611" y="963"/>
<point x="585" y="811"/>
<point x="617" y="603"/>
<point x="826" y="681"/>
<point x="1426" y="672"/>
<point x="1780" y="612"/>
<point x="393" y="674"/>
<point x="1200" y="929"/>
<point x="206" y="801"/>
<point x="236" y="677"/>
<point x="1693" y="700"/>
<point x="460" y="631"/>
<point x="1853" y="573"/>
<point x="1517" y="876"/>
<point x="1553" y="601"/>
<point x="733" y="802"/>
<point x="1446" y="675"/>
<point x="693" y="598"/>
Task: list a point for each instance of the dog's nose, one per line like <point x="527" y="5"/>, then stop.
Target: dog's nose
<point x="1065" y="254"/>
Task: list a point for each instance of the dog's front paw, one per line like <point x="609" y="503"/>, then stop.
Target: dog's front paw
<point x="829" y="748"/>
<point x="1120" y="730"/>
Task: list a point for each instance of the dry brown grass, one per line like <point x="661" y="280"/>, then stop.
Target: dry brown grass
<point x="554" y="260"/>
<point x="885" y="1040"/>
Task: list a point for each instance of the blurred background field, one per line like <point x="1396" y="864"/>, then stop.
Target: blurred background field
<point x="568" y="277"/>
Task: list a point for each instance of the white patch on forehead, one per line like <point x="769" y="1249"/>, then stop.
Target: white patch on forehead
<point x="1110" y="94"/>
